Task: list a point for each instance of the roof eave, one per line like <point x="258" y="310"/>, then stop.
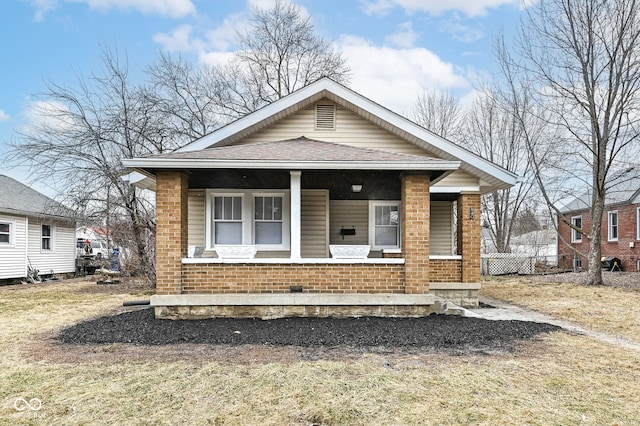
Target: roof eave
<point x="142" y="164"/>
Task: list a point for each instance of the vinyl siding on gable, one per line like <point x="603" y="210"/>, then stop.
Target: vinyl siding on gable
<point x="349" y="130"/>
<point x="458" y="179"/>
<point x="13" y="261"/>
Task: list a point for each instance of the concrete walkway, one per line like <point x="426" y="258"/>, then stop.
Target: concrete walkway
<point x="506" y="311"/>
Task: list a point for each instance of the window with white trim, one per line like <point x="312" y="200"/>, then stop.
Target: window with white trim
<point x="248" y="217"/>
<point x="638" y="223"/>
<point x="267" y="219"/>
<point x="227" y="219"/>
<point x="46" y="237"/>
<point x="384" y="224"/>
<point x="6" y="233"/>
<point x="576" y="237"/>
<point x="613" y="226"/>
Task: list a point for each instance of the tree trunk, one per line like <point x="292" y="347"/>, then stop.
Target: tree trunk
<point x="594" y="273"/>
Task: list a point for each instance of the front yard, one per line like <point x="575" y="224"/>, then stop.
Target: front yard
<point x="559" y="378"/>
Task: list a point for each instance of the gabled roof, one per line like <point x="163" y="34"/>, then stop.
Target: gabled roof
<point x="623" y="188"/>
<point x="301" y="153"/>
<point x="18" y="199"/>
<point x="492" y="176"/>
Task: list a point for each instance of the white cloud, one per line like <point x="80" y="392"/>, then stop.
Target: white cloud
<point x="179" y="39"/>
<point x="4" y="116"/>
<point x="404" y="37"/>
<point x="47" y="114"/>
<point x="468" y="7"/>
<point x="460" y="31"/>
<point x="378" y="7"/>
<point x="394" y="77"/>
<point x="223" y="37"/>
<point x="168" y="8"/>
<point x="42" y="7"/>
<point x="215" y="58"/>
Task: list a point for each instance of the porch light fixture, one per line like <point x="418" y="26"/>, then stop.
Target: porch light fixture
<point x="472" y="213"/>
<point x="356" y="187"/>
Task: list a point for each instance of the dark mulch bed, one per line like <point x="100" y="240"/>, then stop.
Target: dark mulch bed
<point x="437" y="332"/>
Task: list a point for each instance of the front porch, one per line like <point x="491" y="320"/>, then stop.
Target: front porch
<point x="297" y="284"/>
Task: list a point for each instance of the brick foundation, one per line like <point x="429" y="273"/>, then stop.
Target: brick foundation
<point x="279" y="311"/>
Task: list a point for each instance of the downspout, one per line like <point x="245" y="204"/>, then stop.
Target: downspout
<point x="26" y="247"/>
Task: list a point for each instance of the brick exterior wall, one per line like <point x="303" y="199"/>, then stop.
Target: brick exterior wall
<point x="445" y="271"/>
<point x="412" y="277"/>
<point x="416" y="214"/>
<point x="277" y="278"/>
<point x="627" y="229"/>
<point x="469" y="236"/>
<point x="171" y="231"/>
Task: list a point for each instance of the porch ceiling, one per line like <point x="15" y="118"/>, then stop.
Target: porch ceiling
<point x="376" y="185"/>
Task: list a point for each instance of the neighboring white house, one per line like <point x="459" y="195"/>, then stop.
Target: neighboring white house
<point x="541" y="244"/>
<point x="35" y="231"/>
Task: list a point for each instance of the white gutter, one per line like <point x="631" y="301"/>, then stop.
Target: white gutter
<point x="172" y="163"/>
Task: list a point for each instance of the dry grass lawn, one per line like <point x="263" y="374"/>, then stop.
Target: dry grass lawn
<point x="562" y="379"/>
<point x="608" y="309"/>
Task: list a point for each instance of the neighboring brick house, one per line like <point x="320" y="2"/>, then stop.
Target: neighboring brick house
<point x="620" y="235"/>
<point x="321" y="203"/>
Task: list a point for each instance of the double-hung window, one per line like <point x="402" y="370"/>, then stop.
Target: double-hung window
<point x="227" y="219"/>
<point x="384" y="224"/>
<point x="5" y="233"/>
<point x="576" y="237"/>
<point x="268" y="219"/>
<point x="613" y="226"/>
<point x="46" y="237"/>
<point x="247" y="217"/>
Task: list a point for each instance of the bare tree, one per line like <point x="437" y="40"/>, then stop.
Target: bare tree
<point x="439" y="112"/>
<point x="578" y="59"/>
<point x="188" y="97"/>
<point x="493" y="132"/>
<point x="78" y="145"/>
<point x="279" y="54"/>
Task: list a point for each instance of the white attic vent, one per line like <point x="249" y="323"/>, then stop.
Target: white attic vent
<point x="325" y="117"/>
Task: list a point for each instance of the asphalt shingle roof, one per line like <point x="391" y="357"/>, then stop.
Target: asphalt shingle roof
<point x="18" y="198"/>
<point x="624" y="186"/>
<point x="299" y="149"/>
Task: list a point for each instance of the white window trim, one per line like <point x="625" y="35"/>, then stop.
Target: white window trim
<point x="248" y="229"/>
<point x="12" y="233"/>
<point x="51" y="237"/>
<point x="372" y="221"/>
<point x="576" y="237"/>
<point x="638" y="223"/>
<point x="610" y="227"/>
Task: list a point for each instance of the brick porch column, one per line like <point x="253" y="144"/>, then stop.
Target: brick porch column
<point x="416" y="216"/>
<point x="469" y="236"/>
<point x="171" y="230"/>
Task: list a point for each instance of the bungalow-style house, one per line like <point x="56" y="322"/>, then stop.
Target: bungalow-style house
<point x="620" y="233"/>
<point x="35" y="232"/>
<point x="322" y="203"/>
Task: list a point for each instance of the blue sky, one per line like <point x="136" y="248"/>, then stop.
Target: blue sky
<point x="396" y="48"/>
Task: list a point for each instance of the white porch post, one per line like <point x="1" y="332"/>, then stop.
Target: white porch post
<point x="295" y="214"/>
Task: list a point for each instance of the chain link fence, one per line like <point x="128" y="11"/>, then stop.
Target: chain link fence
<point x="522" y="264"/>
